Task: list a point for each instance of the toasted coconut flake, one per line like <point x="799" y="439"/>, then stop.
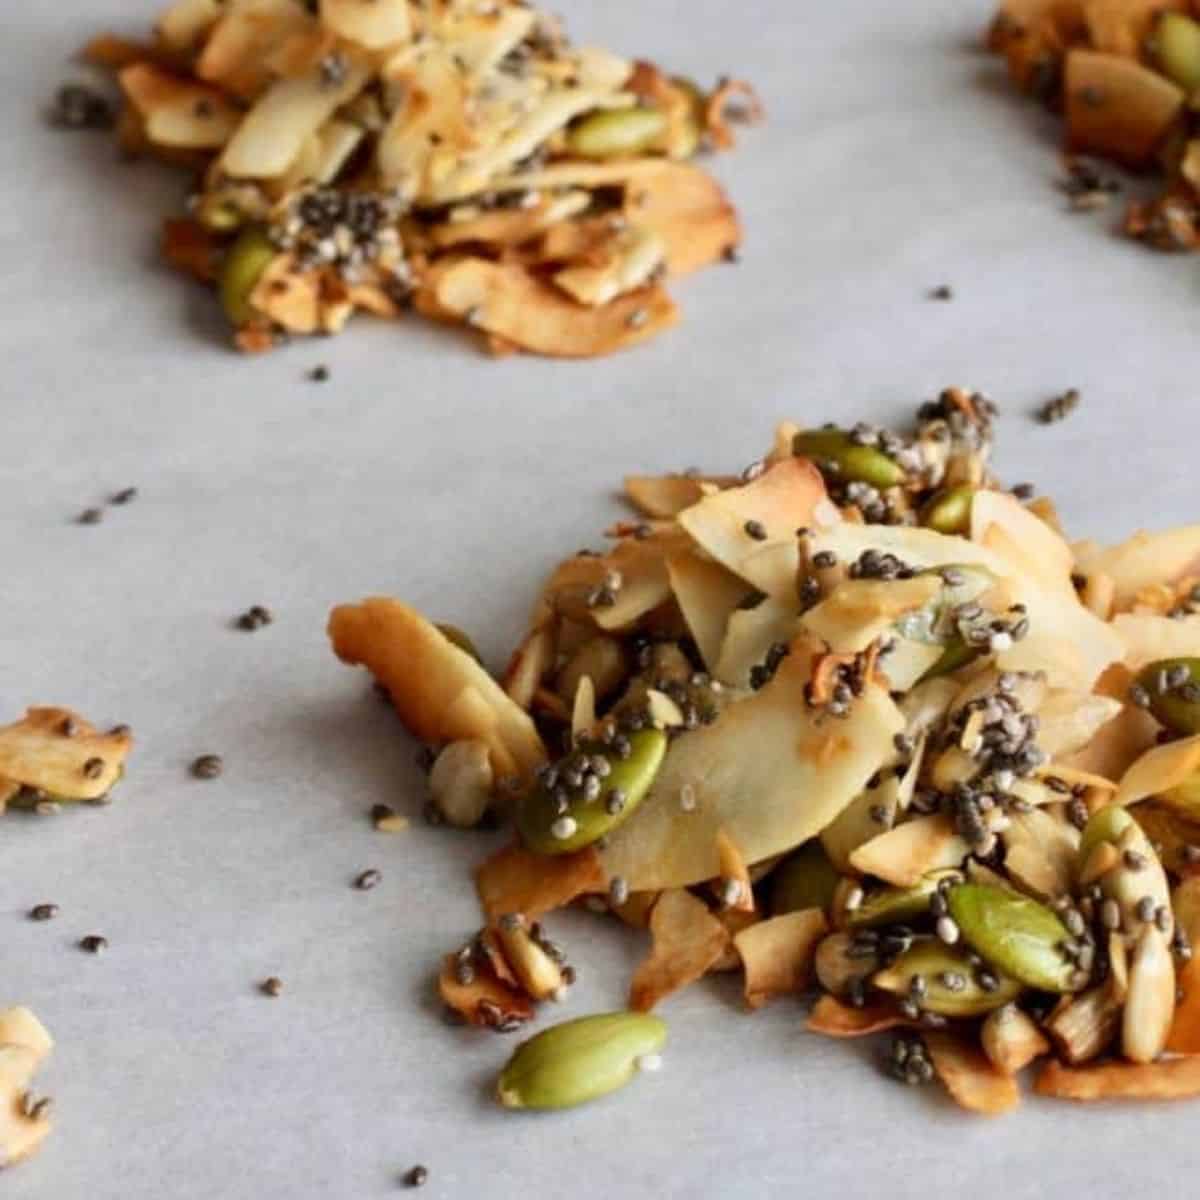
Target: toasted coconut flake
<point x="1040" y="853"/>
<point x="24" y="1044"/>
<point x="766" y="803"/>
<point x="708" y="595"/>
<point x="687" y="941"/>
<point x="1068" y="720"/>
<point x="1084" y="1025"/>
<point x="1159" y="769"/>
<point x="1117" y="745"/>
<point x="373" y="24"/>
<point x="515" y="880"/>
<point x="872" y="812"/>
<point x="973" y="1082"/>
<point x="837" y="1020"/>
<point x="38" y="754"/>
<point x="733" y="866"/>
<point x="688" y="210"/>
<point x="735" y="921"/>
<point x="274" y="131"/>
<point x="781" y="500"/>
<point x="716" y="120"/>
<point x="426" y="676"/>
<point x="179" y="113"/>
<point x="1168" y="1079"/>
<point x="1149" y="637"/>
<point x="505" y="299"/>
<point x="1171" y="832"/>
<point x="506" y="227"/>
<point x="113" y="53"/>
<point x="749" y="636"/>
<point x="289" y="297"/>
<point x="1144" y="560"/>
<point x="663" y="495"/>
<point x="778" y="954"/>
<point x="902" y="855"/>
<point x="186" y="22"/>
<point x="237" y="54"/>
<point x="633" y="256"/>
<point x="859" y="611"/>
<point x="486" y="1000"/>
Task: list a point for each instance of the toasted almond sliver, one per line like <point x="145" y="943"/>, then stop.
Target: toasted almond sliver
<point x="837" y="1020"/>
<point x="778" y="954"/>
<point x="1159" y="769"/>
<point x="428" y="677"/>
<point x="733" y="867"/>
<point x="373" y="24"/>
<point x="969" y="1077"/>
<point x="515" y="880"/>
<point x="1167" y="1079"/>
<point x="687" y="941"/>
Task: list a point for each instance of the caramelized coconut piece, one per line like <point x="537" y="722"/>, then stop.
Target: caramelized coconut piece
<point x="55" y="753"/>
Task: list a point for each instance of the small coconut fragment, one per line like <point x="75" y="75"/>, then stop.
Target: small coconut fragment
<point x="687" y="940"/>
<point x="1167" y="1079"/>
<point x="778" y="954"/>
<point x="1011" y="1039"/>
<point x="24" y="1044"/>
<point x="837" y="1020"/>
<point x="973" y="1082"/>
<point x="55" y="752"/>
<point x="517" y="880"/>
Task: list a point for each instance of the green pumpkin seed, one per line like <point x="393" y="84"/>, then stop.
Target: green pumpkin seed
<point x="616" y="132"/>
<point x="580" y="1060"/>
<point x="864" y="464"/>
<point x="1177" y="48"/>
<point x="949" y="984"/>
<point x="1015" y="934"/>
<point x="1105" y="825"/>
<point x="462" y="640"/>
<point x="949" y="512"/>
<point x="588" y="816"/>
<point x="1173" y="709"/>
<point x="244" y="264"/>
<point x="805" y="879"/>
<point x="891" y="905"/>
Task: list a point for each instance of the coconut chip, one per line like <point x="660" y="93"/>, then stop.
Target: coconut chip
<point x="687" y="941"/>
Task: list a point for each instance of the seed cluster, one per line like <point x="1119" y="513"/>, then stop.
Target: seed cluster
<point x="326" y="227"/>
<point x="254" y="618"/>
<point x="880" y="564"/>
<point x="908" y="1060"/>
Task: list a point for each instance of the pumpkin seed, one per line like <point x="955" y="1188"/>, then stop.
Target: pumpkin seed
<point x="1171" y="704"/>
<point x="1177" y="48"/>
<point x="580" y="1060"/>
<point x="950" y="984"/>
<point x="565" y="811"/>
<point x="245" y="261"/>
<point x="852" y="462"/>
<point x="805" y="879"/>
<point x="616" y="132"/>
<point x="1015" y="934"/>
<point x="949" y="511"/>
<point x="890" y="905"/>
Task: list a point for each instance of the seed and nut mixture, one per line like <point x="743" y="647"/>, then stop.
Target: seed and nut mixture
<point x="459" y="157"/>
<point x="855" y="719"/>
<point x="1123" y="74"/>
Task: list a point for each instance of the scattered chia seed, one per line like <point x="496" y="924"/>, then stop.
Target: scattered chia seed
<point x="79" y="107"/>
<point x="319" y="374"/>
<point x="416" y="1177"/>
<point x="1059" y="408"/>
<point x="207" y="766"/>
<point x="94" y="943"/>
<point x="90" y="516"/>
<point x="43" y="912"/>
<point x="255" y="617"/>
<point x="124" y="496"/>
<point x="942" y="292"/>
<point x="367" y="880"/>
<point x="271" y="986"/>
